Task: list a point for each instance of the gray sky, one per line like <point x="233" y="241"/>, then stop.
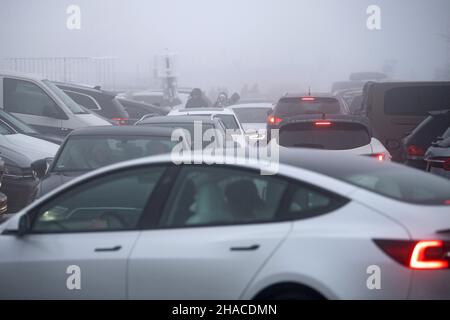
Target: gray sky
<point x="275" y="43"/>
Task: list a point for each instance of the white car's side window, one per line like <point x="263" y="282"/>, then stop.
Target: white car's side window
<point x="113" y="202"/>
<point x="219" y="195"/>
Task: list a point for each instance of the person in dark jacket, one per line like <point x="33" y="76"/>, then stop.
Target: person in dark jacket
<point x="196" y="100"/>
<point x="234" y="99"/>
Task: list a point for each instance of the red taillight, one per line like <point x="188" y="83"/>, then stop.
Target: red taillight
<point x="419" y="255"/>
<point x="439" y="162"/>
<point x="274" y="120"/>
<point x="379" y="156"/>
<point x="308" y="99"/>
<point x="428" y="255"/>
<point x="414" y="150"/>
<point x="446" y="165"/>
<point x="120" y="121"/>
<point x="322" y="123"/>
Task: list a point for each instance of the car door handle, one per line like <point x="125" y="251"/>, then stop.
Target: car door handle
<point x="116" y="248"/>
<point x="249" y="248"/>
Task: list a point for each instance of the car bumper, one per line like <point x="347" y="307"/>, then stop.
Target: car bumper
<point x="416" y="163"/>
<point x="430" y="285"/>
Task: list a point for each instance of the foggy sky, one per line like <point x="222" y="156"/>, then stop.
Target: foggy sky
<point x="275" y="43"/>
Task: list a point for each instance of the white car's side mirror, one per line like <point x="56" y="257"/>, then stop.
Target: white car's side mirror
<point x="17" y="225"/>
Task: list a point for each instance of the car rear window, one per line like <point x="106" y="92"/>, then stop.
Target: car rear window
<point x="399" y="183"/>
<point x="429" y="129"/>
<point x="416" y="101"/>
<point x="228" y="120"/>
<point x="86" y="153"/>
<point x="336" y="136"/>
<point x="295" y="106"/>
<point x="252" y="115"/>
<point x="383" y="177"/>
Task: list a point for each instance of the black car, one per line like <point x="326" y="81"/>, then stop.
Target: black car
<point x="292" y="105"/>
<point x="18" y="126"/>
<point x="137" y="109"/>
<point x="102" y="102"/>
<point x="417" y="142"/>
<point x="87" y="149"/>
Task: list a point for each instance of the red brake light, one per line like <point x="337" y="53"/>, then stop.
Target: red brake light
<point x="446" y="165"/>
<point x="274" y="120"/>
<point x="439" y="162"/>
<point x="308" y="99"/>
<point x="428" y="255"/>
<point x="419" y="255"/>
<point x="120" y="121"/>
<point x="414" y="150"/>
<point x="322" y="123"/>
<point x="379" y="156"/>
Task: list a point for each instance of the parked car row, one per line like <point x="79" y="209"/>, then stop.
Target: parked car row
<point x="99" y="194"/>
<point x="120" y="111"/>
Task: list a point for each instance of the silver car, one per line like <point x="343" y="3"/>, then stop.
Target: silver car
<point x="42" y="105"/>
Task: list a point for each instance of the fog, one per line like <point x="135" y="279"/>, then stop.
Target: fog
<point x="277" y="44"/>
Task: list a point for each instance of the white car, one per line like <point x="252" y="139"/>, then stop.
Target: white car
<point x="156" y="98"/>
<point x="226" y="115"/>
<point x="337" y="133"/>
<point x="325" y="226"/>
<point x="253" y="118"/>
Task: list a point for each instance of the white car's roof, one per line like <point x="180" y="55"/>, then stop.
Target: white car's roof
<point x="193" y="111"/>
<point x="252" y="105"/>
<point x="23" y="75"/>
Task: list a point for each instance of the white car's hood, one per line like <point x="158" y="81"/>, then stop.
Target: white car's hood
<point x="33" y="148"/>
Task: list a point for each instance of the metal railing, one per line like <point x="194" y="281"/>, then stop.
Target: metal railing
<point x="81" y="70"/>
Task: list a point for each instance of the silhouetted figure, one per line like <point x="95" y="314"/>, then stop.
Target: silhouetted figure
<point x="196" y="100"/>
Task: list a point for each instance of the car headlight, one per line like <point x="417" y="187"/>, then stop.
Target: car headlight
<point x="16" y="172"/>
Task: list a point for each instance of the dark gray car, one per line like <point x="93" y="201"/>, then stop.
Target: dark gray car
<point x="19" y="151"/>
<point x="88" y="149"/>
<point x="438" y="156"/>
